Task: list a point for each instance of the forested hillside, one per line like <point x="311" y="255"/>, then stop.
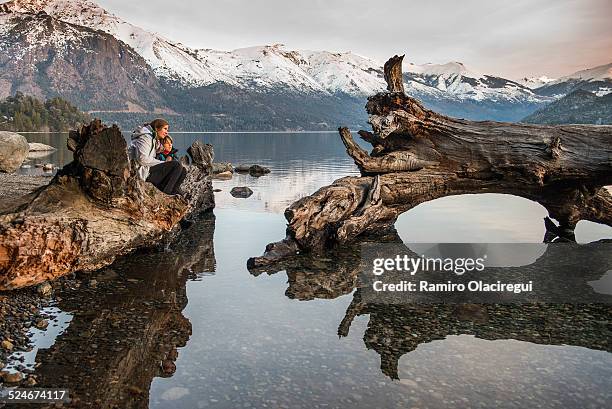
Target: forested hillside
<point x="27" y="114"/>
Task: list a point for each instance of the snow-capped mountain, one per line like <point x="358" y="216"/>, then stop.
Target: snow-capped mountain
<point x="265" y="67"/>
<point x="600" y="73"/>
<point x="295" y="86"/>
<point x="597" y="80"/>
<point x="274" y="67"/>
<point x="456" y="80"/>
<point x="46" y="57"/>
<point x="535" y="82"/>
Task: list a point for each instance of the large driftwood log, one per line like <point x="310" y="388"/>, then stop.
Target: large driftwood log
<point x="419" y="155"/>
<point x="95" y="209"/>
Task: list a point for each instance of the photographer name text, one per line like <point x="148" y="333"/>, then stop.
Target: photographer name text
<point x="471" y="286"/>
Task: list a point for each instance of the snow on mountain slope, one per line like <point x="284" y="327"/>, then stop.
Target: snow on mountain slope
<point x="271" y="68"/>
<point x="39" y="36"/>
<point x="167" y="59"/>
<point x="597" y="80"/>
<point x="44" y="56"/>
<point x="535" y="82"/>
<point x="600" y="73"/>
<point x="342" y="72"/>
<point x="265" y="67"/>
<point x="458" y="81"/>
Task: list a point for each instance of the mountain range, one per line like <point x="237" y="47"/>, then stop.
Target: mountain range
<point x="577" y="107"/>
<point x="79" y="51"/>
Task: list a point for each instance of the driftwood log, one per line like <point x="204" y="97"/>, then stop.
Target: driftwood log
<point x="419" y="155"/>
<point x="95" y="209"/>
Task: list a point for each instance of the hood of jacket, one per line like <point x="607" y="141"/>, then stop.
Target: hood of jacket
<point x="142" y="131"/>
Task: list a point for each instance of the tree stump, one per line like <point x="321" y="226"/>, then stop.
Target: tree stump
<point x="95" y="209"/>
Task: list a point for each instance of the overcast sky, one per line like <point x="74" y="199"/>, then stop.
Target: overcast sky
<point x="511" y="38"/>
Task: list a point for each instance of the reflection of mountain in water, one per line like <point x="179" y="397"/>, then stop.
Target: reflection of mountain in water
<point x="127" y="329"/>
<point x="396" y="329"/>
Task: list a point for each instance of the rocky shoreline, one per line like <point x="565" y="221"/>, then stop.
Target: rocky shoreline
<point x="15" y="185"/>
<point x="21" y="310"/>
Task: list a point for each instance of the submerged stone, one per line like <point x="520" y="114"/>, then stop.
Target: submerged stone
<point x="241" y="192"/>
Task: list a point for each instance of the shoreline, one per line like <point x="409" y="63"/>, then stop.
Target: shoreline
<point x="15" y="185"/>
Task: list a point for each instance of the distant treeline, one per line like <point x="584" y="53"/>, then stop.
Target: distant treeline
<point x="222" y="108"/>
<point x="29" y="114"/>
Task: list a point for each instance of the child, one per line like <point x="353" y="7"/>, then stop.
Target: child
<point x="167" y="152"/>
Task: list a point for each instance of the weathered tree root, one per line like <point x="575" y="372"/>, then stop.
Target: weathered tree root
<point x="95" y="209"/>
<point x="419" y="155"/>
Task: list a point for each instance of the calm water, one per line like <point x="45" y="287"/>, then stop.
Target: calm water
<point x="300" y="337"/>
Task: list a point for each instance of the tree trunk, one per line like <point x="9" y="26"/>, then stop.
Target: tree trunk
<point x="95" y="209"/>
<point x="419" y="155"/>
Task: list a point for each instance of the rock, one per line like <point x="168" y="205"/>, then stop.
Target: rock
<point x="135" y="390"/>
<point x="241" y="192"/>
<point x="40" y="147"/>
<point x="253" y="170"/>
<point x="14" y="150"/>
<point x="30" y="381"/>
<point x="41" y="324"/>
<point x="44" y="289"/>
<point x="242" y="168"/>
<point x="222" y="167"/>
<point x="257" y="170"/>
<point x="472" y="312"/>
<point x="8" y="345"/>
<point x="107" y="275"/>
<point x="223" y="175"/>
<point x="38" y="154"/>
<point x="201" y="154"/>
<point x="15" y="377"/>
<point x="168" y="367"/>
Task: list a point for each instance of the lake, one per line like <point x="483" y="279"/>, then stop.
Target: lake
<point x="191" y="327"/>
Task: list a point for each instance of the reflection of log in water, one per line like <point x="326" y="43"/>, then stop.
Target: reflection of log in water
<point x="327" y="277"/>
<point x="126" y="331"/>
<point x="396" y="329"/>
<point x="563" y="273"/>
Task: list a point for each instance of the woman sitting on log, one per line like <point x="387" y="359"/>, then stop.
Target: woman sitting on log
<point x="146" y="143"/>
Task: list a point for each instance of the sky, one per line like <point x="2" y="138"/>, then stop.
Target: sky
<point x="510" y="38"/>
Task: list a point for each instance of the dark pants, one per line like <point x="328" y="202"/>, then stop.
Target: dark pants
<point x="167" y="176"/>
